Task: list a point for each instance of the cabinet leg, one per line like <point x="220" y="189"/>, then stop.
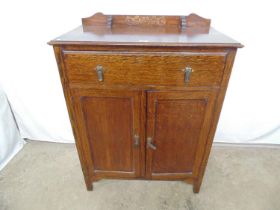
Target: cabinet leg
<point x="88" y="184"/>
<point x="196" y="186"/>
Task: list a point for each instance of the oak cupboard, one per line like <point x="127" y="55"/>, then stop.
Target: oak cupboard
<point x="144" y="94"/>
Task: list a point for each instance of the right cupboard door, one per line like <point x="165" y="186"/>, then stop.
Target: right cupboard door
<point x="178" y="124"/>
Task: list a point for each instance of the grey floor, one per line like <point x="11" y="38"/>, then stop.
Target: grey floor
<point x="48" y="176"/>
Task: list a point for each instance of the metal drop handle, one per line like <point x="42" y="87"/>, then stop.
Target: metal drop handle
<point x="150" y="143"/>
<point x="188" y="71"/>
<point x="99" y="70"/>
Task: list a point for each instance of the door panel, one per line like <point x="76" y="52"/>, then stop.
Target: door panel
<point x="110" y="120"/>
<point x="177" y="125"/>
<point x="111" y="145"/>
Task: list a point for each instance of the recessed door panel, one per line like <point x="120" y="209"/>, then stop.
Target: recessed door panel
<point x="110" y="129"/>
<point x="111" y="124"/>
<point x="177" y="131"/>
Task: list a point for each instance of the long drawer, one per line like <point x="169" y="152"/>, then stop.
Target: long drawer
<point x="151" y="68"/>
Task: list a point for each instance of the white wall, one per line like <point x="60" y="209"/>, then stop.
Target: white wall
<point x="29" y="75"/>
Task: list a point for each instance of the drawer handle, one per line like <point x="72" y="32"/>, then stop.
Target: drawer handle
<point x="188" y="71"/>
<point x="150" y="143"/>
<point x="99" y="70"/>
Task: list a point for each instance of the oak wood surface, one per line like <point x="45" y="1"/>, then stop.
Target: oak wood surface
<point x="82" y="146"/>
<point x="216" y="114"/>
<point x="100" y="19"/>
<point x="147" y="38"/>
<point x="144" y="93"/>
<point x="178" y="122"/>
<point x="160" y="68"/>
<point x="110" y="119"/>
<point x="137" y="30"/>
<point x="131" y="24"/>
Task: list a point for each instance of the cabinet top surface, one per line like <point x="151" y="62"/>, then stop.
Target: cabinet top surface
<point x="153" y="37"/>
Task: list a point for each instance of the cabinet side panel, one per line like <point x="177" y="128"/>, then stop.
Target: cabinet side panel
<point x="82" y="148"/>
<point x="216" y="114"/>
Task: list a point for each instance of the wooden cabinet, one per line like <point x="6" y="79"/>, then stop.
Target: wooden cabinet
<point x="144" y="101"/>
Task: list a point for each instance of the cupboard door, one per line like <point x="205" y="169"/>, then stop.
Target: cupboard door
<point x="110" y="125"/>
<point x="178" y="124"/>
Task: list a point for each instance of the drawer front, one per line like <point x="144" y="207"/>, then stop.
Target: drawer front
<point x="167" y="69"/>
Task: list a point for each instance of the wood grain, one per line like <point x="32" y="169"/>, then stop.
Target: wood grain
<point x="216" y="115"/>
<point x="144" y="93"/>
<point x="110" y="119"/>
<point x="82" y="146"/>
<point x="145" y="30"/>
<point x="109" y="127"/>
<point x="145" y="68"/>
<point x="178" y="122"/>
<point x="111" y="21"/>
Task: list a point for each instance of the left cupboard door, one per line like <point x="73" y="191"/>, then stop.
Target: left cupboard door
<point x="109" y="124"/>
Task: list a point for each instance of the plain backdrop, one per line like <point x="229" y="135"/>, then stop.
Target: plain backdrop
<point x="10" y="140"/>
<point x="29" y="75"/>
